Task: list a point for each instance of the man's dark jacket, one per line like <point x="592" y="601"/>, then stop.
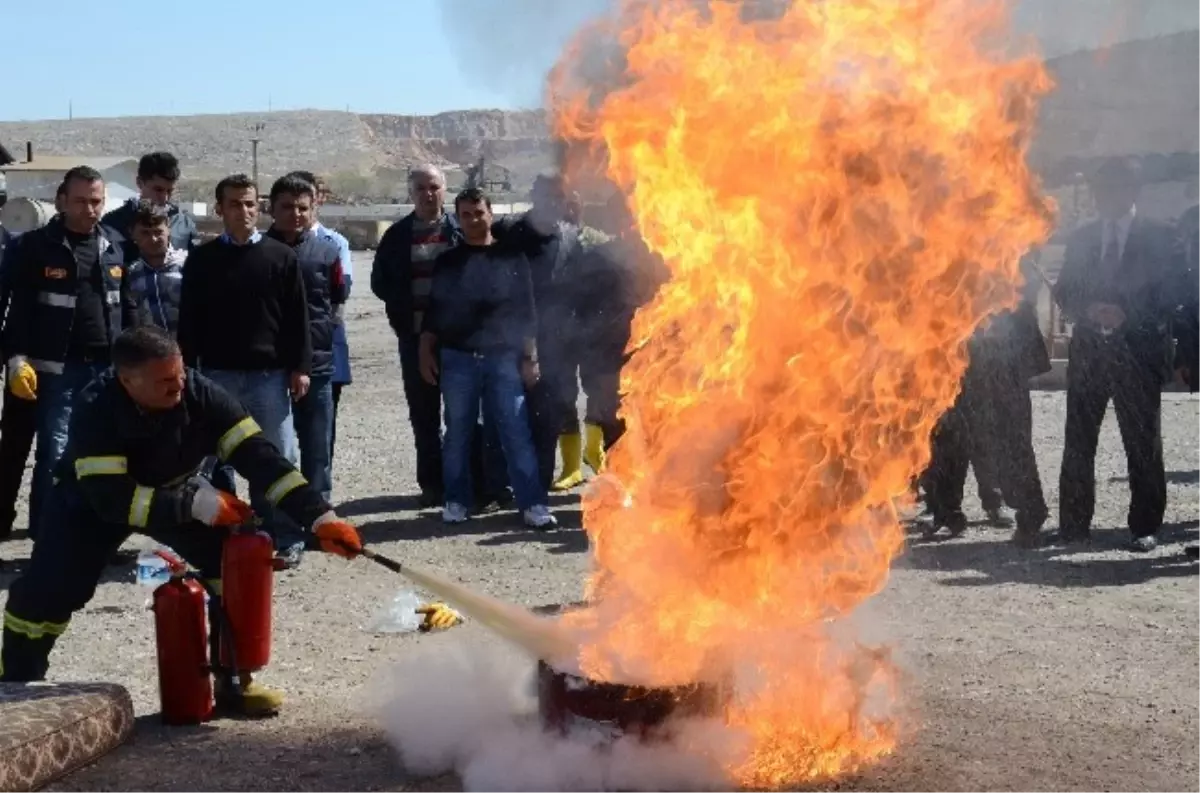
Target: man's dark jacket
<point x="43" y="277"/>
<point x="324" y="286"/>
<point x="184" y="235"/>
<point x="391" y="273"/>
<point x="1141" y="287"/>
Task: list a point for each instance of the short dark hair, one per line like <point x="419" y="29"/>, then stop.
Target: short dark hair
<point x="237" y="181"/>
<point x="292" y="185"/>
<point x="307" y="176"/>
<point x="160" y="164"/>
<point x="62" y="189"/>
<point x="82" y="173"/>
<point x="1117" y="171"/>
<point x="150" y="214"/>
<point x="138" y="346"/>
<point x="472" y="195"/>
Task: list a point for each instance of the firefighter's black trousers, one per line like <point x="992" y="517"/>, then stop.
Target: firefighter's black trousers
<point x="68" y="559"/>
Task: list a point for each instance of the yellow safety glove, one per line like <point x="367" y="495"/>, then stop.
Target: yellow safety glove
<point x="439" y="617"/>
<point x="22" y="379"/>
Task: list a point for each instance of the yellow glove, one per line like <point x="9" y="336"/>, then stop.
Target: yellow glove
<point x="22" y="379"/>
<point x="439" y="617"/>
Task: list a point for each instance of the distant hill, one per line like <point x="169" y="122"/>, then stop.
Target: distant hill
<point x="1139" y="97"/>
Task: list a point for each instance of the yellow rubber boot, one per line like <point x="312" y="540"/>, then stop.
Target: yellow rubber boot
<point x="593" y="449"/>
<point x="256" y="701"/>
<point x="571" y="448"/>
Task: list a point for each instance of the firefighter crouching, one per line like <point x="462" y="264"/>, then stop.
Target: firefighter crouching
<point x="138" y="436"/>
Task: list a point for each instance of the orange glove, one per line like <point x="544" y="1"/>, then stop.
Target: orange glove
<point x="214" y="507"/>
<point x="337" y="536"/>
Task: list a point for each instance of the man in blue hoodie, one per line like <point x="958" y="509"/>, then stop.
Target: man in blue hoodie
<point x="158" y="173"/>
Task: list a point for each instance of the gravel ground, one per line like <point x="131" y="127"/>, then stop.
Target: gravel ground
<point x="1049" y="669"/>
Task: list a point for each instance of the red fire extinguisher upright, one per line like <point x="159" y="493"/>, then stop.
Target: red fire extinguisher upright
<point x="185" y="686"/>
<point x="247" y="581"/>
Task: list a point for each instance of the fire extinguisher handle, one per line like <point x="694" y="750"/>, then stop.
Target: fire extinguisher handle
<point x="379" y="559"/>
<point x="174" y="563"/>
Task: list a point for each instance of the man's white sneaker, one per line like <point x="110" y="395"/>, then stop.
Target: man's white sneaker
<point x="454" y="513"/>
<point x="539" y="517"/>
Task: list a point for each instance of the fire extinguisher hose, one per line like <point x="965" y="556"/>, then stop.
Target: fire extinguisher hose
<point x="533" y="634"/>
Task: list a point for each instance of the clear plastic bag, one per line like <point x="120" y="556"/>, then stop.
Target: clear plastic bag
<point x="398" y="616"/>
<point x="152" y="569"/>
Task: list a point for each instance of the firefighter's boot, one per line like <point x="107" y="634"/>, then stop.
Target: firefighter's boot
<point x="593" y="449"/>
<point x="571" y="447"/>
<point x="250" y="698"/>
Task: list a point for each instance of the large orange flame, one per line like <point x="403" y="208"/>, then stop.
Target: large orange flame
<point x="841" y="195"/>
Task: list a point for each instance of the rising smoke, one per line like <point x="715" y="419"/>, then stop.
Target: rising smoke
<point x="509" y="47"/>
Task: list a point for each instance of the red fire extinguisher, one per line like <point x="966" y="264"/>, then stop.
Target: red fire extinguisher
<point x="247" y="582"/>
<point x="181" y="634"/>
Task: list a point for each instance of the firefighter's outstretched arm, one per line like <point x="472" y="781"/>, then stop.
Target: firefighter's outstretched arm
<point x="241" y="444"/>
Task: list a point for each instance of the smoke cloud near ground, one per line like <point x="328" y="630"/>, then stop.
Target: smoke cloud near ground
<point x="448" y="709"/>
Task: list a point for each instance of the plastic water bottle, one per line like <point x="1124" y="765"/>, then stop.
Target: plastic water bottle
<point x="399" y="616"/>
<point x="152" y="570"/>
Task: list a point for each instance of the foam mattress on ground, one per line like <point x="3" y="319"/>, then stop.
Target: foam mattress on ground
<point x="49" y="730"/>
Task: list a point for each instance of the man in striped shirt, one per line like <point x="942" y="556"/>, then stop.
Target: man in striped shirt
<point x="402" y="277"/>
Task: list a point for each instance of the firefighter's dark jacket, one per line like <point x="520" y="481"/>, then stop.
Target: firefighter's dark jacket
<point x="182" y="228"/>
<point x="325" y="287"/>
<point x="8" y="246"/>
<point x="42" y="275"/>
<point x="133" y="466"/>
<point x="391" y="274"/>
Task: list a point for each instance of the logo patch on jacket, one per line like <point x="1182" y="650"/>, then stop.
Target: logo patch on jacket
<point x="57" y="273"/>
<point x="115" y="272"/>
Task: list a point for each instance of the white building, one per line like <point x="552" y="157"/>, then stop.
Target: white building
<point x="39" y="178"/>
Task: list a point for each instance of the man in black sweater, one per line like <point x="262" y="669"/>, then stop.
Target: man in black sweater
<point x="478" y="342"/>
<point x="243" y="321"/>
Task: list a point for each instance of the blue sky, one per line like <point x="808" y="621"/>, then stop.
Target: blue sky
<point x="177" y="57"/>
<point x="151" y="57"/>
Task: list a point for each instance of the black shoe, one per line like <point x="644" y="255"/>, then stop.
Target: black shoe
<point x="1143" y="544"/>
<point x="1027" y="537"/>
<point x="430" y="499"/>
<point x="1192" y="551"/>
<point x="999" y="519"/>
<point x="954" y="526"/>
<point x="1075" y="536"/>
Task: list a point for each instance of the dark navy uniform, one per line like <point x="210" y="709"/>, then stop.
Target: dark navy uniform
<point x="68" y="303"/>
<point x="128" y="470"/>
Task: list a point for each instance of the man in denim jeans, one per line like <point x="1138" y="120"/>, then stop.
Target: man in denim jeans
<point x="243" y="320"/>
<point x="292" y="205"/>
<point x="478" y="339"/>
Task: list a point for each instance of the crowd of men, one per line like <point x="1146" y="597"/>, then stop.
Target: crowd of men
<point x="146" y="367"/>
<point x="1129" y="285"/>
<point x="498" y="321"/>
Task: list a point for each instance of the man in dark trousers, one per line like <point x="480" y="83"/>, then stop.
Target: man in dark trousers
<point x="138" y="438"/>
<point x="615" y="279"/>
<point x="552" y="241"/>
<point x="1187" y="315"/>
<point x="158" y="173"/>
<point x="479" y="344"/>
<point x="68" y="302"/>
<point x="401" y="277"/>
<point x="992" y="421"/>
<point x="1115" y="287"/>
<point x="292" y="205"/>
<point x="243" y="321"/>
